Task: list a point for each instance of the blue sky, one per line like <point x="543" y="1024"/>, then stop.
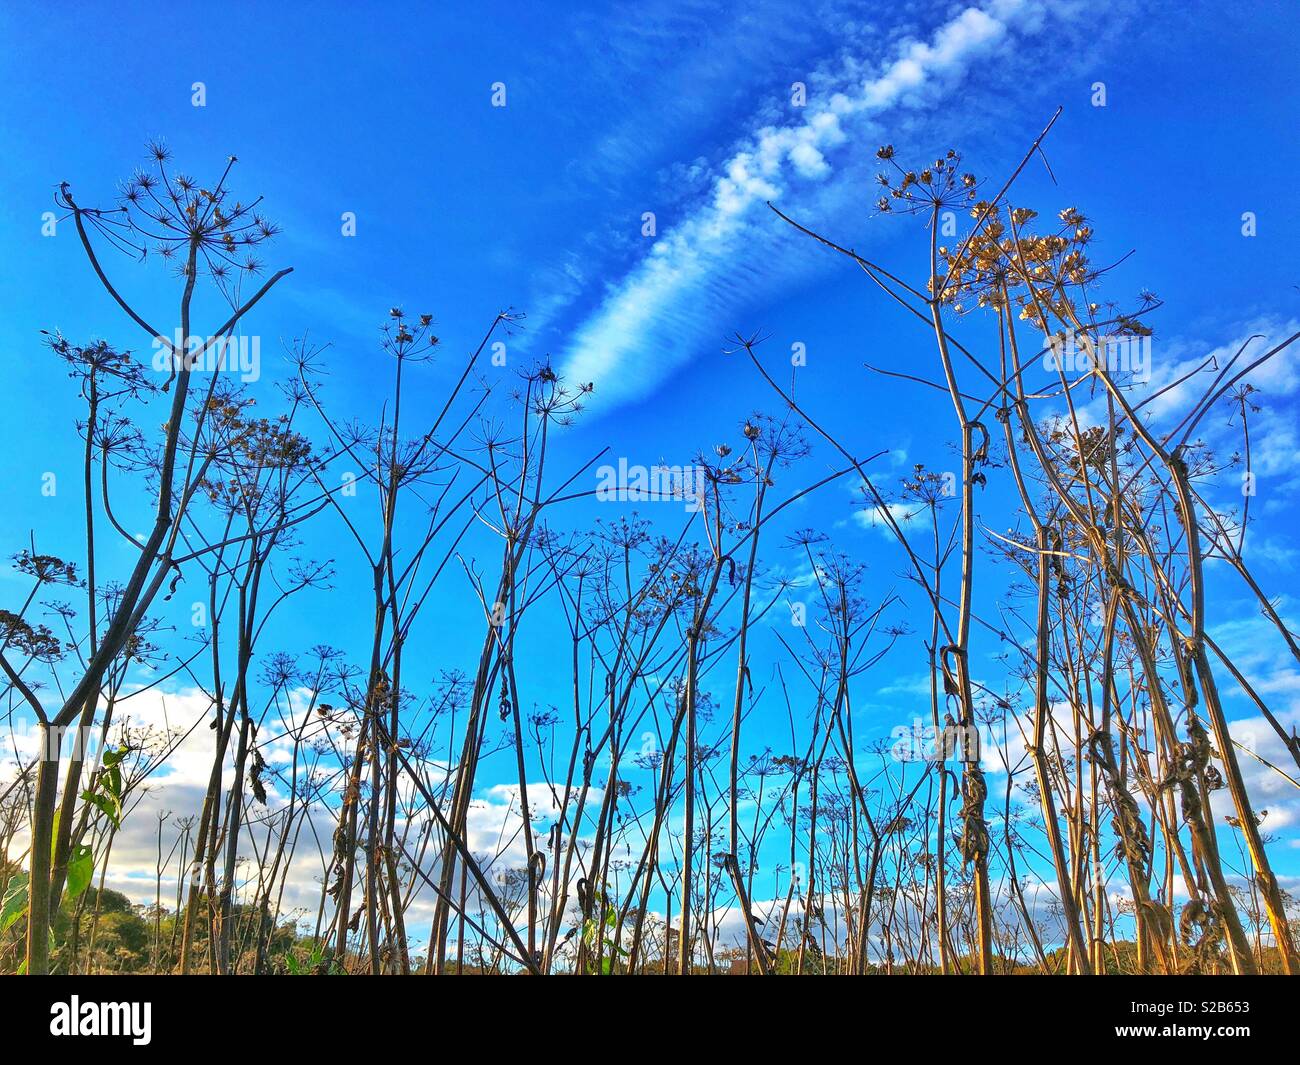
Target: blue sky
<point x="684" y="111"/>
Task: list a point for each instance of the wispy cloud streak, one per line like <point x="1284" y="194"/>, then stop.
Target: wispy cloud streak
<point x="648" y="323"/>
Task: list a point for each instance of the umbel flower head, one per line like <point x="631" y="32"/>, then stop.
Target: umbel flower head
<point x="407" y="339"/>
<point x="99" y="366"/>
<point x="1001" y="263"/>
<point x="198" y="227"/>
<point x="939" y="186"/>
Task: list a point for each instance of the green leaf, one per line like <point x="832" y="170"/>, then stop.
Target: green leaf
<point x="81" y="867"/>
<point x="107" y="805"/>
<point x="15" y="904"/>
<point x="114" y="758"/>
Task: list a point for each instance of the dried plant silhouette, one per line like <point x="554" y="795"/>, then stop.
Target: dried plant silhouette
<point x="1059" y="820"/>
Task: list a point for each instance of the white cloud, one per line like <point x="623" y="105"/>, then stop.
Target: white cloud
<point x="648" y="322"/>
<point x="875" y="517"/>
